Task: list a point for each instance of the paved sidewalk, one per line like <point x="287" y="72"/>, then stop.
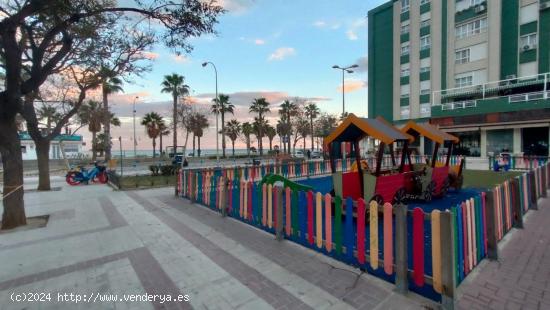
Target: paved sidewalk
<point x="520" y="279"/>
<point x="101" y="242"/>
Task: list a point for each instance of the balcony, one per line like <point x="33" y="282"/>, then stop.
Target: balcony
<point x="471" y="12"/>
<point x="531" y="92"/>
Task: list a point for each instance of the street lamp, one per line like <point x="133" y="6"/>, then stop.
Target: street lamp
<point x="348" y="70"/>
<point x="134" y="115"/>
<point x="204" y="64"/>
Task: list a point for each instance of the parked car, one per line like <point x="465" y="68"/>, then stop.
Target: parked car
<point x="315" y="154"/>
<point x="299" y="154"/>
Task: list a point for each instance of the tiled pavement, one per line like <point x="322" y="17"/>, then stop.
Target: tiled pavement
<point x="520" y="278"/>
<point x="100" y="241"/>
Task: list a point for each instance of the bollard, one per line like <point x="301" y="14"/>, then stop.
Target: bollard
<point x="516" y="204"/>
<point x="492" y="246"/>
<point x="401" y="265"/>
<point x="279" y="215"/>
<point x="533" y="190"/>
<point x="448" y="262"/>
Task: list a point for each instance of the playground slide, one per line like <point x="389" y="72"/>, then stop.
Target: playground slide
<point x="272" y="178"/>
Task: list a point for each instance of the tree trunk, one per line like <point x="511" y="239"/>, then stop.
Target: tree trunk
<point x="233" y="147"/>
<point x="223" y="134"/>
<point x="12" y="163"/>
<point x="106" y="123"/>
<point x="43" y="156"/>
<point x="175" y="125"/>
<point x="311" y="133"/>
<point x="194" y="149"/>
<point x="270" y="144"/>
<point x="94" y="144"/>
<point x="248" y="146"/>
<point x="154" y="146"/>
<point x="185" y="144"/>
<point x="198" y="146"/>
<point x="160" y="146"/>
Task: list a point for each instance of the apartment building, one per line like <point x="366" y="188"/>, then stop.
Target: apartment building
<point x="476" y="68"/>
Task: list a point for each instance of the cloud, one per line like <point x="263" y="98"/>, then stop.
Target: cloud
<point x="352" y="85"/>
<point x="126" y="99"/>
<point x="244" y="98"/>
<point x="150" y="55"/>
<point x="351" y="35"/>
<point x="259" y="42"/>
<point x="363" y="64"/>
<point x="281" y="53"/>
<point x="181" y="58"/>
<point x="326" y="25"/>
<point x="320" y="24"/>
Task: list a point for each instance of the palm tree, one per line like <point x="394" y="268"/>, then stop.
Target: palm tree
<point x="92" y="114"/>
<point x="261" y="107"/>
<point x="152" y="122"/>
<point x="233" y="130"/>
<point x="200" y="123"/>
<point x="50" y="114"/>
<point x="221" y="106"/>
<point x="312" y="112"/>
<point x="270" y="132"/>
<point x="110" y="85"/>
<point x="247" y="130"/>
<point x="259" y="126"/>
<point x="174" y="84"/>
<point x="286" y="111"/>
<point x="164" y="131"/>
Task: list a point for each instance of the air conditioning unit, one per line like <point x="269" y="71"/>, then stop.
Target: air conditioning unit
<point x="510" y="76"/>
<point x="479" y="8"/>
<point x="544" y="6"/>
<point x="527" y="47"/>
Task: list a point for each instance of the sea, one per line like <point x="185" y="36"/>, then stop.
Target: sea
<point x="149" y="153"/>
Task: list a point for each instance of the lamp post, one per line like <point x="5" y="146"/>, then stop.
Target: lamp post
<point x="204" y="64"/>
<point x="134" y="116"/>
<point x="348" y="70"/>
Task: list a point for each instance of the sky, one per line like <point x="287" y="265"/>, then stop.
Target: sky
<point x="264" y="48"/>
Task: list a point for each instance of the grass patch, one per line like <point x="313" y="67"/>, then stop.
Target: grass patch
<point x="486" y="178"/>
<point x="148" y="181"/>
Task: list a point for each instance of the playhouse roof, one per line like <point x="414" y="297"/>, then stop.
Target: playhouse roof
<point x="429" y="131"/>
<point x="354" y="128"/>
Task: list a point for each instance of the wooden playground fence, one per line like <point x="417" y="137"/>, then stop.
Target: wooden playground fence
<point x="516" y="162"/>
<point x="446" y="244"/>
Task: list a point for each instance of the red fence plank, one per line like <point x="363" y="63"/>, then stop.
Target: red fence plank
<point x="418" y="246"/>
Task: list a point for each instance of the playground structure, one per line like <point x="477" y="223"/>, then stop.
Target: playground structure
<point x="434" y="178"/>
<point x="380" y="185"/>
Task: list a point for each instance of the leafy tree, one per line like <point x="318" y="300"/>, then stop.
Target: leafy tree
<point x="92" y="115"/>
<point x="164" y="131"/>
<point x="233" y="130"/>
<point x="259" y="126"/>
<point x="260" y="106"/>
<point x="43" y="38"/>
<point x="287" y="110"/>
<point x="152" y="122"/>
<point x="302" y="131"/>
<point x="199" y="124"/>
<point x="110" y="84"/>
<point x="311" y="111"/>
<point x="221" y="106"/>
<point x="174" y="84"/>
<point x="247" y="130"/>
<point x="325" y="125"/>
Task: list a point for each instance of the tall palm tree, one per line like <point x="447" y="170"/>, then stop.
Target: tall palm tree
<point x="233" y="130"/>
<point x="221" y="106"/>
<point x="259" y="126"/>
<point x="200" y="123"/>
<point x="288" y="109"/>
<point x="261" y="107"/>
<point x="270" y="132"/>
<point x="92" y="114"/>
<point x="247" y="129"/>
<point x="152" y="122"/>
<point x="164" y="131"/>
<point x="110" y="85"/>
<point x="312" y="112"/>
<point x="175" y="85"/>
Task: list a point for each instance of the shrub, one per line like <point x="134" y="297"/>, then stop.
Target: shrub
<point x="154" y="169"/>
<point x="168" y="170"/>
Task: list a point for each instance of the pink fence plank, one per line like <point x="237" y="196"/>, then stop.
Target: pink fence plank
<point x="418" y="246"/>
<point x="288" y="210"/>
<point x="361" y="231"/>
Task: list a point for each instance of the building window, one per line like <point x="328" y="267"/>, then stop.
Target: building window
<point x="476" y="2"/>
<point x="425" y="42"/>
<point x="471" y="28"/>
<point x="528" y="41"/>
<point x="425" y="87"/>
<point x="405" y="112"/>
<point x="424" y="1"/>
<point x="405" y="70"/>
<point x="405" y="28"/>
<point x="425" y="69"/>
<point x="464" y="81"/>
<point x="405" y="6"/>
<point x="425" y="110"/>
<point x="425" y="23"/>
<point x="405" y="48"/>
<point x="405" y="91"/>
<point x="462" y="56"/>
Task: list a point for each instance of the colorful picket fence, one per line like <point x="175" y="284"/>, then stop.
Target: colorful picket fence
<point x="517" y="162"/>
<point x="446" y="244"/>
